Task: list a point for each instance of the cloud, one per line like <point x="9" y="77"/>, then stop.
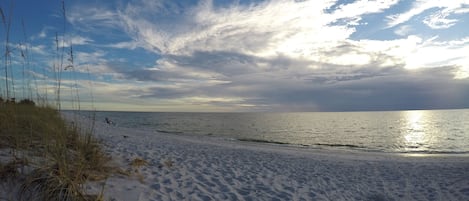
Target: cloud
<point x="43" y="33"/>
<point x="354" y="11"/>
<point x="96" y="69"/>
<point x="263" y="29"/>
<point x="417" y="8"/>
<point x="81" y="16"/>
<point x="383" y="91"/>
<point x="76" y="40"/>
<point x="278" y="55"/>
<point x="414" y="52"/>
<point x="37" y="49"/>
<point x="69" y="40"/>
<point x="329" y="85"/>
<point x="254" y="28"/>
<point x="462" y="10"/>
<point x="287" y="82"/>
<point x="403" y="30"/>
<point x="90" y="57"/>
<point x="429" y="54"/>
<point x="438" y="19"/>
<point x="131" y="45"/>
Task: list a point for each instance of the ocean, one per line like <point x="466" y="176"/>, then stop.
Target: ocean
<point x="416" y="131"/>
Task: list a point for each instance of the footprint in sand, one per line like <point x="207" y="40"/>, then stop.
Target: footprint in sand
<point x="465" y="191"/>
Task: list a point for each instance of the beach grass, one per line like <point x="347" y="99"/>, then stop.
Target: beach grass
<point x="51" y="159"/>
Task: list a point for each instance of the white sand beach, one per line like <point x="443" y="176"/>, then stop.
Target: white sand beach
<point x="208" y="168"/>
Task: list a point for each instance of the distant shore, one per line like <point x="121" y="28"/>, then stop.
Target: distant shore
<point x="209" y="168"/>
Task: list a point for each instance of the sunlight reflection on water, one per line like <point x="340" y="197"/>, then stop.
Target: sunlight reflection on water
<point x="416" y="138"/>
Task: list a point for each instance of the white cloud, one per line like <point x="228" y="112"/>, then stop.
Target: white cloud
<point x="403" y="30"/>
<point x="350" y="59"/>
<point x="300" y="30"/>
<point x="38" y="49"/>
<point x="461" y="11"/>
<point x="96" y="69"/>
<point x="266" y="28"/>
<point x="245" y="54"/>
<point x="70" y="40"/>
<point x="412" y="52"/>
<point x="295" y="29"/>
<point x="462" y="72"/>
<point x="125" y="45"/>
<point x="90" y="57"/>
<point x="361" y="7"/>
<point x="80" y="40"/>
<point x="418" y="7"/>
<point x="42" y="34"/>
<point x="434" y="54"/>
<point x="417" y="53"/>
<point x="80" y="16"/>
<point x="184" y="71"/>
<point x="439" y="20"/>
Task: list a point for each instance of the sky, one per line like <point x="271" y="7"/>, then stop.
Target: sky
<point x="240" y="55"/>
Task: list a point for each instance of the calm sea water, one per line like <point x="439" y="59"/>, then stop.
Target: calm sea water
<point x="419" y="131"/>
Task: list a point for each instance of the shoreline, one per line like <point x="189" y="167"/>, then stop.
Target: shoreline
<point x="211" y="168"/>
<point x="313" y="130"/>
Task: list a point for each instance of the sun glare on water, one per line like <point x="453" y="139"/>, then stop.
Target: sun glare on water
<point x="415" y="131"/>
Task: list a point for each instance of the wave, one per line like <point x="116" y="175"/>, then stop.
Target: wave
<point x="434" y="152"/>
<point x="337" y="146"/>
<point x="313" y="145"/>
<point x="169" y="132"/>
<point x="355" y="147"/>
<point x="343" y="145"/>
<point x="261" y="141"/>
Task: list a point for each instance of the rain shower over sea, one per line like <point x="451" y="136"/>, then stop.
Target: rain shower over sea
<point x="415" y="131"/>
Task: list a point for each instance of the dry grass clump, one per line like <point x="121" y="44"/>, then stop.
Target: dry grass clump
<point x="138" y="162"/>
<point x="135" y="164"/>
<point x="62" y="158"/>
<point x="168" y="163"/>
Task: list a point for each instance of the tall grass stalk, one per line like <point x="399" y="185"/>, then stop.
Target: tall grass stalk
<point x="6" y="21"/>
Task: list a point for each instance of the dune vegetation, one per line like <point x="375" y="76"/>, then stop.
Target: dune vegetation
<point x="46" y="157"/>
<point x="42" y="157"/>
